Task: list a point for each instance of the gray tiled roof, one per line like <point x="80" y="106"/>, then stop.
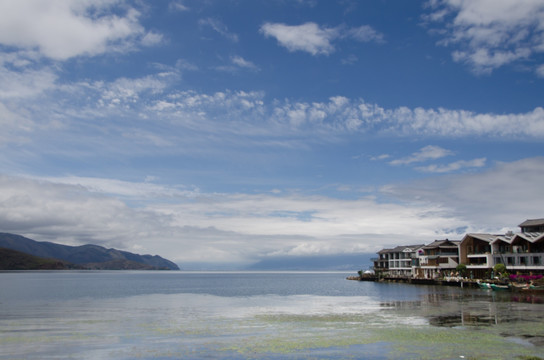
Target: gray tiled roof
<point x="483" y="237"/>
<point x="532" y="222"/>
<point x="443" y="244"/>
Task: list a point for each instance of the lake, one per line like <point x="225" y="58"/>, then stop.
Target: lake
<point x="258" y="315"/>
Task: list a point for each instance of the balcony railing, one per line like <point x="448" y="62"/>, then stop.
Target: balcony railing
<point x="479" y="253"/>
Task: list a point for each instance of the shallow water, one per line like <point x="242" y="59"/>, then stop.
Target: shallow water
<point x="181" y="315"/>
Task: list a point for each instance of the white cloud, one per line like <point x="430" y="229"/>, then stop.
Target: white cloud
<point x="502" y="196"/>
<point x="130" y="88"/>
<point x="91" y="113"/>
<point x="25" y="83"/>
<point x="237" y="63"/>
<point x="454" y="123"/>
<point x="186" y="65"/>
<point x="243" y="63"/>
<point x="454" y="166"/>
<point x="429" y="152"/>
<point x="186" y="225"/>
<point x="159" y="117"/>
<point x="14" y="126"/>
<point x="380" y="157"/>
<point x="307" y="37"/>
<point x="314" y="39"/>
<point x="491" y="33"/>
<point x="365" y="33"/>
<point x="125" y="189"/>
<point x="350" y="60"/>
<point x="206" y="227"/>
<point x="152" y="39"/>
<point x="177" y="6"/>
<point x="64" y="29"/>
<point x="219" y="27"/>
<point x="432" y="152"/>
<point x="540" y="71"/>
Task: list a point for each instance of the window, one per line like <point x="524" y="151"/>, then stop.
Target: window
<point x="536" y="260"/>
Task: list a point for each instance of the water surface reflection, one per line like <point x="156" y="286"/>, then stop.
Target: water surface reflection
<point x="512" y="315"/>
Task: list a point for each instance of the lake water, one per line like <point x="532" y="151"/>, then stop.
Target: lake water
<point x="252" y="315"/>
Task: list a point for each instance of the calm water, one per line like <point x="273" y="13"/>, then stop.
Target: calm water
<point x="241" y="315"/>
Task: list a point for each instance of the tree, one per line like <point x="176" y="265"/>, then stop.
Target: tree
<point x="461" y="269"/>
<point x="499" y="269"/>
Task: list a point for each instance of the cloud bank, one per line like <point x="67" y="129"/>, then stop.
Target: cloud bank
<point x="239" y="228"/>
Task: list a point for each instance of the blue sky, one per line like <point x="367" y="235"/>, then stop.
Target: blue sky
<point x="227" y="132"/>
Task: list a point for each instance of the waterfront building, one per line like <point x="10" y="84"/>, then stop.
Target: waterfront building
<point x="522" y="252"/>
<point x="381" y="263"/>
<point x="438" y="258"/>
<point x="475" y="253"/>
<point x="399" y="261"/>
<point x="519" y="252"/>
<point x="532" y="225"/>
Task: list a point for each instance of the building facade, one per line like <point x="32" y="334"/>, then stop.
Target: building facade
<point x="521" y="252"/>
<point x="439" y="257"/>
<point x="399" y="261"/>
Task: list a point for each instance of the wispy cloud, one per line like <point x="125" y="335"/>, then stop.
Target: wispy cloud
<point x="125" y="189"/>
<point x="28" y="82"/>
<point x="489" y="199"/>
<point x="490" y="34"/>
<point x="178" y="6"/>
<point x="219" y="27"/>
<point x="315" y="39"/>
<point x="454" y="166"/>
<point x="236" y="64"/>
<point x="364" y="33"/>
<point x="233" y="113"/>
<point x="429" y="152"/>
<point x="380" y="157"/>
<point x="243" y="63"/>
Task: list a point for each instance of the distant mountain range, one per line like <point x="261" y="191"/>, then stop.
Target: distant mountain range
<point x="338" y="262"/>
<point x="36" y="255"/>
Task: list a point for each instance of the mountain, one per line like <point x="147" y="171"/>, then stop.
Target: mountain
<point x="16" y="260"/>
<point x="96" y="257"/>
<point x="340" y="262"/>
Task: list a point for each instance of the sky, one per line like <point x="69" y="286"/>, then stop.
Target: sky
<point x="220" y="133"/>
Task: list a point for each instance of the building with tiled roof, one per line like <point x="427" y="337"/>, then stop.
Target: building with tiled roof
<point x="520" y="252"/>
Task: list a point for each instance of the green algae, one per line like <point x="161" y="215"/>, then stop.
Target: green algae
<point x="298" y="333"/>
<point x="437" y="343"/>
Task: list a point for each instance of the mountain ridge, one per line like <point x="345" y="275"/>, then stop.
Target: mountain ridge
<point x="97" y="257"/>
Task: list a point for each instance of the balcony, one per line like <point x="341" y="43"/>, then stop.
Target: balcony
<point x="521" y="261"/>
<point x="480" y="261"/>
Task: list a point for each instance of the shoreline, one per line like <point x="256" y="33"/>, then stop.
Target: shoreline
<point x="405" y="280"/>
